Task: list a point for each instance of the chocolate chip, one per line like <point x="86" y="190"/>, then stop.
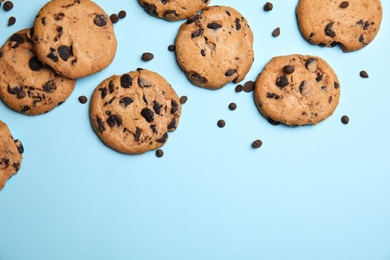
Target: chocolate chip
<point x="311" y="64"/>
<point x="232" y="106"/>
<point x="126" y="81"/>
<point x="1" y="54"/>
<point x="238" y="25"/>
<point x="170" y="13"/>
<point x="64" y="52"/>
<point x="221" y="123"/>
<point x="198" y="77"/>
<point x="336" y="85"/>
<point x="288" y="69"/>
<point x="147" y="114"/>
<point x="103" y="92"/>
<point x="196" y="33"/>
<point x="21" y="94"/>
<point x="59" y="16"/>
<point x="175" y="106"/>
<point x="230" y="72"/>
<point x="361" y="38"/>
<point x="11" y="21"/>
<point x="171" y="48"/>
<point x="159" y="153"/>
<point x="163" y="139"/>
<point x="49" y="86"/>
<point x="329" y="31"/>
<point x="192" y="19"/>
<point x="19" y="146"/>
<point x="214" y="26"/>
<point x="172" y="124"/>
<point x="303" y="88"/>
<point x="276" y="32"/>
<point x="164" y="1"/>
<point x="8" y="5"/>
<point x="126" y="101"/>
<point x="114" y="120"/>
<point x="147" y="56"/>
<point x="239" y="88"/>
<point x="25" y="108"/>
<point x="183" y="99"/>
<point x="52" y="55"/>
<point x="319" y="77"/>
<point x="344" y="4"/>
<point x="150" y="9"/>
<point x="272" y="95"/>
<point x="100" y="124"/>
<point x="249" y="86"/>
<point x="14" y="90"/>
<point x="257" y="144"/>
<point x="114" y="18"/>
<point x="100" y="20"/>
<point x="363" y="74"/>
<point x="35" y="64"/>
<point x="137" y="136"/>
<point x="83" y="99"/>
<point x="157" y="107"/>
<point x="272" y="122"/>
<point x="268" y="6"/>
<point x="43" y="20"/>
<point x="122" y="14"/>
<point x="345" y="119"/>
<point x="18" y="39"/>
<point x="282" y="81"/>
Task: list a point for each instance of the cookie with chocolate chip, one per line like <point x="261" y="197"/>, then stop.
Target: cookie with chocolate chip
<point x="173" y="10"/>
<point x="350" y="24"/>
<point x="74" y="37"/>
<point x="297" y="90"/>
<point x="11" y="151"/>
<point x="133" y="113"/>
<point x="215" y="47"/>
<point x="26" y="85"/>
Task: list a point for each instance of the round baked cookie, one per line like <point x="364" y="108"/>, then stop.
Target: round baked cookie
<point x="26" y="85"/>
<point x="351" y="24"/>
<point x="11" y="151"/>
<point x="133" y="113"/>
<point x="173" y="10"/>
<point x="297" y="90"/>
<point x="215" y="47"/>
<point x="74" y="37"/>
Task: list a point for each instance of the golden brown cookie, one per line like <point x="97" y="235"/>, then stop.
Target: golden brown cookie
<point x="351" y="24"/>
<point x="173" y="10"/>
<point x="74" y="37"/>
<point x="26" y="85"/>
<point x="11" y="151"/>
<point x="297" y="90"/>
<point x="215" y="47"/>
<point x="133" y="113"/>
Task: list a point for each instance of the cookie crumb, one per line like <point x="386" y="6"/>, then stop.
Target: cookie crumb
<point x="276" y="32"/>
<point x="147" y="56"/>
<point x="159" y="153"/>
<point x="83" y="99"/>
<point x="8" y="5"/>
<point x="268" y="6"/>
<point x="183" y="99"/>
<point x="363" y="74"/>
<point x="114" y="18"/>
<point x="122" y="14"/>
<point x="257" y="144"/>
<point x="345" y="119"/>
<point x="11" y="21"/>
<point x="221" y="123"/>
<point x="232" y="106"/>
<point x="171" y="48"/>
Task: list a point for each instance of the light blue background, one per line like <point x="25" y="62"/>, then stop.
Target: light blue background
<point x="313" y="192"/>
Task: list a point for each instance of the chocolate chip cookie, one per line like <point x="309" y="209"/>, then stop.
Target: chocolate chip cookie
<point x="215" y="47"/>
<point x="133" y="113"/>
<point x="297" y="90"/>
<point x="74" y="37"/>
<point x="11" y="151"/>
<point x="173" y="10"/>
<point x="351" y="24"/>
<point x="26" y="85"/>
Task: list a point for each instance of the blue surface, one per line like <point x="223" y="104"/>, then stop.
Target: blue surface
<point x="313" y="192"/>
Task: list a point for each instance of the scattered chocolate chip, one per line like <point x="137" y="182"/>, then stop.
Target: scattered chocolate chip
<point x="100" y="20"/>
<point x="249" y="86"/>
<point x="126" y="81"/>
<point x="268" y="6"/>
<point x="344" y="4"/>
<point x="11" y="21"/>
<point x="329" y="31"/>
<point x="159" y="153"/>
<point x="257" y="144"/>
<point x="214" y="26"/>
<point x="183" y="99"/>
<point x="147" y="56"/>
<point x="276" y="32"/>
<point x="239" y="88"/>
<point x="122" y="14"/>
<point x="8" y="5"/>
<point x="221" y="123"/>
<point x="171" y="48"/>
<point x="363" y="74"/>
<point x="288" y="69"/>
<point x="232" y="106"/>
<point x="114" y="18"/>
<point x="282" y="81"/>
<point x="83" y="99"/>
<point x="34" y="63"/>
<point x="147" y="114"/>
<point x="345" y="119"/>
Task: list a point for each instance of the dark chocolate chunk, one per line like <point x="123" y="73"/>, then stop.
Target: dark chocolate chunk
<point x="311" y="64"/>
<point x="163" y="139"/>
<point x="49" y="86"/>
<point x="43" y="20"/>
<point x="25" y="108"/>
<point x="52" y="55"/>
<point x="147" y="56"/>
<point x="272" y="95"/>
<point x="363" y="74"/>
<point x="147" y="114"/>
<point x="221" y="123"/>
<point x="64" y="52"/>
<point x="126" y="81"/>
<point x="126" y="101"/>
<point x="303" y="87"/>
<point x="319" y="77"/>
<point x="288" y="69"/>
<point x="114" y="120"/>
<point x="170" y="12"/>
<point x="175" y="106"/>
<point x="83" y="99"/>
<point x="100" y="20"/>
<point x="103" y="92"/>
<point x="198" y="77"/>
<point x="183" y="99"/>
<point x="35" y="64"/>
<point x="361" y="38"/>
<point x="345" y="119"/>
<point x="230" y="72"/>
<point x="192" y="19"/>
<point x="59" y="16"/>
<point x="249" y="86"/>
<point x="164" y="1"/>
<point x="8" y="5"/>
<point x="214" y="26"/>
<point x="21" y="94"/>
<point x="272" y="122"/>
<point x="196" y="33"/>
<point x="150" y="9"/>
<point x="172" y="124"/>
<point x="137" y="136"/>
<point x="336" y="85"/>
<point x="19" y="146"/>
<point x="11" y="21"/>
<point x="238" y="25"/>
<point x="281" y="81"/>
<point x="159" y="153"/>
<point x="268" y="6"/>
<point x="100" y="124"/>
<point x="257" y="144"/>
<point x="16" y="40"/>
<point x="329" y="31"/>
<point x="111" y="87"/>
<point x="14" y="90"/>
<point x="157" y="107"/>
<point x="232" y="106"/>
<point x="276" y="32"/>
<point x="344" y="4"/>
